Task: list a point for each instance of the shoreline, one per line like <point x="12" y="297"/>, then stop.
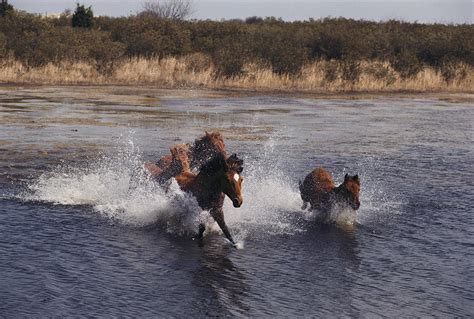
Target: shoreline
<point x="146" y="91"/>
<point x="180" y="74"/>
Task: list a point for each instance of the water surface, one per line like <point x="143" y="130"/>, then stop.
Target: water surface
<point x="86" y="232"/>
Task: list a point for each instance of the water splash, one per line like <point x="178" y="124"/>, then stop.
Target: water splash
<point x="380" y="202"/>
<point x="116" y="186"/>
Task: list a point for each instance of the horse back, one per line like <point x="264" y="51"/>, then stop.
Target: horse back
<point x="316" y="187"/>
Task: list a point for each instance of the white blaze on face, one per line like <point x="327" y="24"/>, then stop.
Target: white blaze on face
<point x="236" y="177"/>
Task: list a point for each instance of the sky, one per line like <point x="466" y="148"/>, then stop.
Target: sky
<point x="424" y="11"/>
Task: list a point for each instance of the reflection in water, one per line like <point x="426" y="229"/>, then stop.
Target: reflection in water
<point x="225" y="282"/>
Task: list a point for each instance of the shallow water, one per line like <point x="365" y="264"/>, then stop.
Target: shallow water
<point x="86" y="232"/>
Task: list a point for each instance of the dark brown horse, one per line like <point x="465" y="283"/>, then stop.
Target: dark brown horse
<point x="318" y="189"/>
<point x="203" y="149"/>
<point x="217" y="178"/>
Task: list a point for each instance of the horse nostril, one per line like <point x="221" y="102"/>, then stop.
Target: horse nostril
<point x="237" y="202"/>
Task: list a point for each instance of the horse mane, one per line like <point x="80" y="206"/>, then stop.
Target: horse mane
<point x="219" y="161"/>
<point x="180" y="160"/>
<point x="213" y="165"/>
<point x="234" y="163"/>
<point x="206" y="148"/>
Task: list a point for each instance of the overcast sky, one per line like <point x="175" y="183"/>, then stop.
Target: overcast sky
<point x="425" y="11"/>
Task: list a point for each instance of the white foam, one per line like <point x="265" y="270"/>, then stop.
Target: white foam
<point x="117" y="187"/>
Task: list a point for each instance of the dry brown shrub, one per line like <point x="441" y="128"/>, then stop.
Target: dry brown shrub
<point x="197" y="62"/>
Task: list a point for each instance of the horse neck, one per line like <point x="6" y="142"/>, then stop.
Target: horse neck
<point x="199" y="158"/>
<point x="339" y="190"/>
<point x="209" y="182"/>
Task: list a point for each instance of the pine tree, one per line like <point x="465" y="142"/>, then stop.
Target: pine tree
<point x="5" y="7"/>
<point x="83" y="17"/>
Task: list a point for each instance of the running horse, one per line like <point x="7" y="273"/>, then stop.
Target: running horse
<point x="217" y="178"/>
<point x="319" y="191"/>
<point x="203" y="150"/>
<point x="217" y="175"/>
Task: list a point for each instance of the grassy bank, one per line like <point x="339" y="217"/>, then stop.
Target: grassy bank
<point x="199" y="72"/>
<point x="330" y="55"/>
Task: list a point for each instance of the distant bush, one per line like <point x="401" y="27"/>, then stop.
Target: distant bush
<point x="3" y="45"/>
<point x="254" y="19"/>
<point x="229" y="61"/>
<point x="330" y="71"/>
<point x="198" y="62"/>
<point x="381" y="72"/>
<point x="350" y="70"/>
<point x="100" y="49"/>
<point x="5" y="7"/>
<point x="148" y="37"/>
<point x="83" y="17"/>
<point x="284" y="46"/>
<point x="280" y="47"/>
<point x="451" y="70"/>
<point x="406" y="64"/>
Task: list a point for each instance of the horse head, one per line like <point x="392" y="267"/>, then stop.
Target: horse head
<point x="232" y="180"/>
<point x="225" y="175"/>
<point x="349" y="190"/>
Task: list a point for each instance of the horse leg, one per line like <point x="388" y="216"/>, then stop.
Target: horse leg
<point x="202" y="228"/>
<point x="218" y="215"/>
<point x="304" y="206"/>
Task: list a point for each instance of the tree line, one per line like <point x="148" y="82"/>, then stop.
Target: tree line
<point x="282" y="46"/>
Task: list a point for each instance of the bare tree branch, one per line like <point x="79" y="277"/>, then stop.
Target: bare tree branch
<point x="168" y="9"/>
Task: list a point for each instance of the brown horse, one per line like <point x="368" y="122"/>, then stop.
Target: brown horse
<point x="203" y="149"/>
<point x="318" y="189"/>
<point x="217" y="178"/>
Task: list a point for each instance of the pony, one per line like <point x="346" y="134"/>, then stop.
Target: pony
<point x="319" y="191"/>
<point x="217" y="178"/>
<point x="203" y="149"/>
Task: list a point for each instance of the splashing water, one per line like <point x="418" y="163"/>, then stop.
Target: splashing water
<point x="117" y="186"/>
<point x="380" y="202"/>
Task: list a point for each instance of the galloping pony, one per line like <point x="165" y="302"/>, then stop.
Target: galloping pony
<point x="203" y="150"/>
<point x="218" y="177"/>
<point x="319" y="191"/>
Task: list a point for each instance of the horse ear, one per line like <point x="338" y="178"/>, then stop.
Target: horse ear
<point x="346" y="177"/>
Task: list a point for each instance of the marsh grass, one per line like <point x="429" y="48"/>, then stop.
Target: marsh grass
<point x="197" y="71"/>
